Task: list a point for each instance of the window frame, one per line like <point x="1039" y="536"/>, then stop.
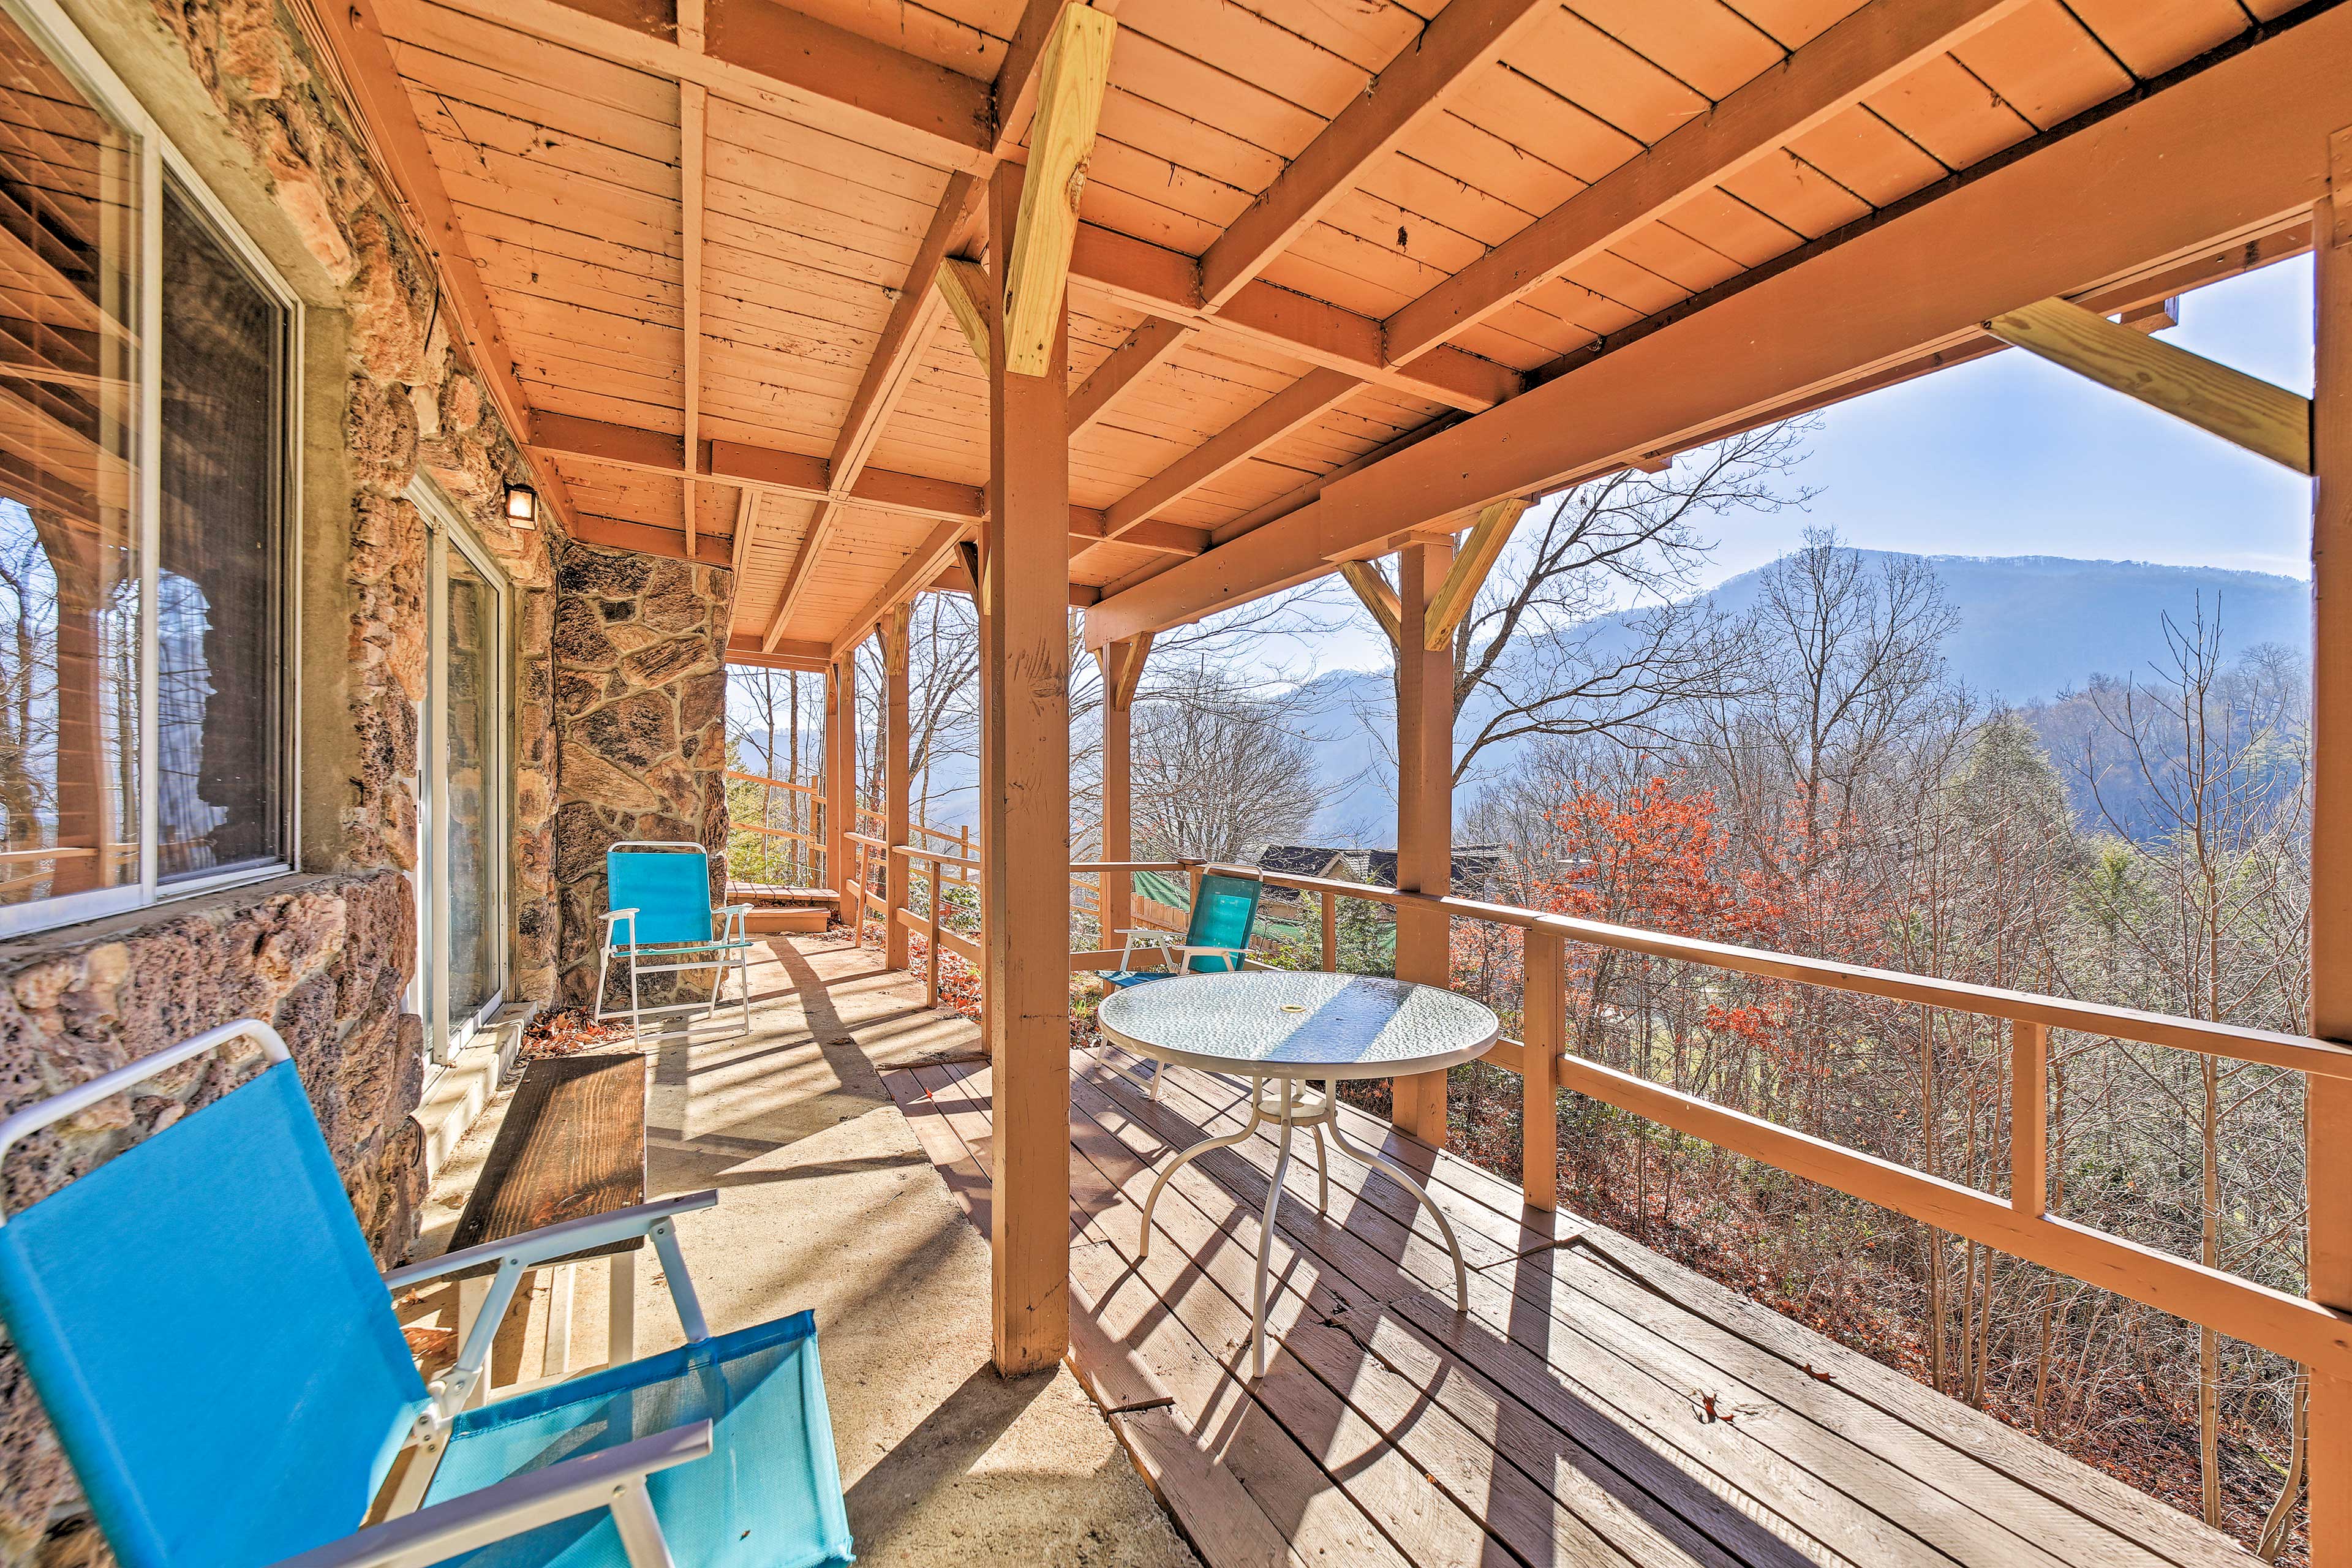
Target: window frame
<point x="162" y="168"/>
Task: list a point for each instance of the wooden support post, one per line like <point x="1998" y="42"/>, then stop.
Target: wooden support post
<point x="1544" y="1024"/>
<point x="1424" y="810"/>
<point x="836" y="796"/>
<point x="1114" y="895"/>
<point x="2327" y="1116"/>
<point x="897" y="812"/>
<point x="1331" y="933"/>
<point x="1025" y="800"/>
<point x="2029" y="1118"/>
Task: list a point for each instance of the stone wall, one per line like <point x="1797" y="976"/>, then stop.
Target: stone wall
<point x="326" y="955"/>
<point x="640" y="723"/>
<point x="325" y="960"/>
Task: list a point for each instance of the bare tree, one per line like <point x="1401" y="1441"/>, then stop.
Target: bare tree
<point x="1221" y="770"/>
<point x="1587" y="625"/>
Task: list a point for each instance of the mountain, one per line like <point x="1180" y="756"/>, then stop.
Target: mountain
<point x="2030" y="626"/>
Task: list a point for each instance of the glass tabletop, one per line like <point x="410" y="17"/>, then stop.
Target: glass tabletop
<point x="1281" y="1023"/>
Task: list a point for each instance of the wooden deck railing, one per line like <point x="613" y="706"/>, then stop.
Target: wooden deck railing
<point x="2019" y="1224"/>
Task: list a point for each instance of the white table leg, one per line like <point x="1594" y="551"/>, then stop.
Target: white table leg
<point x="1265" y="1228"/>
<point x="1143" y="1244"/>
<point x="1398" y="1173"/>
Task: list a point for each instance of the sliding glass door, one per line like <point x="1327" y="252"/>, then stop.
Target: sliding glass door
<point x="464" y="740"/>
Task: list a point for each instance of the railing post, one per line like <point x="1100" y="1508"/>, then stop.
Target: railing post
<point x="896" y="868"/>
<point x="2327" y="1113"/>
<point x="1331" y="933"/>
<point x="2029" y="1117"/>
<point x="931" y="941"/>
<point x="1543" y="1020"/>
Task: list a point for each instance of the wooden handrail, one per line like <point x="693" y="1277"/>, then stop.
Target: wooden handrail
<point x="774" y="784"/>
<point x="2290" y="1325"/>
<point x="2296" y="1052"/>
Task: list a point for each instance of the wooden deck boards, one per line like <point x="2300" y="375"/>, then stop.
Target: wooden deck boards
<point x="1599" y="1403"/>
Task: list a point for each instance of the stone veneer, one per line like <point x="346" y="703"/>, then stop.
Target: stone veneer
<point x="327" y="955"/>
<point x="641" y="728"/>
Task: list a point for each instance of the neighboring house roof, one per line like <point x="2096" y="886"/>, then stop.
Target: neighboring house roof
<point x="1475" y="864"/>
<point x="1296" y="860"/>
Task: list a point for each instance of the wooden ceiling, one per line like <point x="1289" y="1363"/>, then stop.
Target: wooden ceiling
<point x="1309" y="231"/>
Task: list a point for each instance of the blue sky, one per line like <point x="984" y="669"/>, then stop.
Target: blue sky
<point x="2012" y="456"/>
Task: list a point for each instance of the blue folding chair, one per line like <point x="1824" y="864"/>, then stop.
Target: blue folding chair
<point x="660" y="889"/>
<point x="203" y="1321"/>
<point x="1215" y="941"/>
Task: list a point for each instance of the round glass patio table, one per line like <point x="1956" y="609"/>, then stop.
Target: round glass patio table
<point x="1286" y="1031"/>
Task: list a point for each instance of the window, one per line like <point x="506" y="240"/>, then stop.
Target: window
<point x="145" y="359"/>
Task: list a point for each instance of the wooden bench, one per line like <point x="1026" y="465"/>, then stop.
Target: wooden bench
<point x="572" y="1145"/>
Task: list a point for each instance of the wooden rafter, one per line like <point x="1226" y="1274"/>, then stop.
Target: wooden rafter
<point x="918" y="569"/>
<point x="825" y="75"/>
<point x="887" y="108"/>
<point x="1014" y="93"/>
<point x="747" y="517"/>
<point x="1144" y="351"/>
<point x="745" y="649"/>
<point x="1467" y="37"/>
<point x="693" y="121"/>
<point x="2212" y="169"/>
<point x="1034" y="269"/>
<point x="2242" y="409"/>
<point x="805" y="478"/>
<point x="1162" y="282"/>
<point x="906" y="335"/>
<point x="1476" y="557"/>
<point x="796" y="582"/>
<point x="1873" y="48"/>
<point x="1372" y="586"/>
<point x="354" y="43"/>
<point x="1301" y="402"/>
<point x="646" y="539"/>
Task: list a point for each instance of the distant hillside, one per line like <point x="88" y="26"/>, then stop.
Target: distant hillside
<point x="2030" y="626"/>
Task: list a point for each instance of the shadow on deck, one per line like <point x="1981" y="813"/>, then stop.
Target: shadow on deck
<point x="1599" y="1403"/>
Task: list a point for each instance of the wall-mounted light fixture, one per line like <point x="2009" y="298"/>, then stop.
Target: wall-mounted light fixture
<point x="522" y="506"/>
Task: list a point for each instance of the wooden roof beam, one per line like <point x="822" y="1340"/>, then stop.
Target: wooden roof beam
<point x="1871" y="50"/>
<point x="803" y="478"/>
<point x="1301" y="402"/>
<point x="649" y="539"/>
<point x="2196" y="181"/>
<point x="906" y="335"/>
<point x="1167" y="283"/>
<point x="1466" y="37"/>
<point x="1476" y="557"/>
<point x="356" y="48"/>
<point x="770" y="55"/>
<point x="1146" y="349"/>
<point x="744" y="649"/>
<point x="747" y="517"/>
<point x="2245" y="410"/>
<point x="956" y="578"/>
<point x="1033" y="271"/>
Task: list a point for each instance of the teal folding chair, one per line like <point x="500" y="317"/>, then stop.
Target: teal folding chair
<point x="1215" y="939"/>
<point x="219" y="1357"/>
<point x="660" y="890"/>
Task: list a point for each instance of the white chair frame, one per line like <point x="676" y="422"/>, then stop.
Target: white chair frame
<point x="732" y="937"/>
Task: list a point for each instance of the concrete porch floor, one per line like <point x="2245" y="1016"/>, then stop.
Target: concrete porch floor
<point x="827" y="1203"/>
